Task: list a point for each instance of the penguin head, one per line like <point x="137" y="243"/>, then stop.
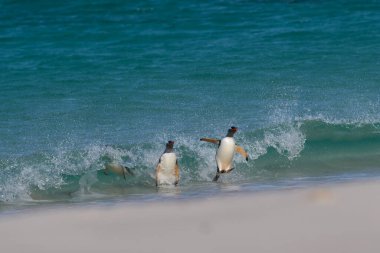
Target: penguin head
<point x="170" y="144"/>
<point x="232" y="131"/>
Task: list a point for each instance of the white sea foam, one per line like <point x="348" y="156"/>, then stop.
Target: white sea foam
<point x="22" y="177"/>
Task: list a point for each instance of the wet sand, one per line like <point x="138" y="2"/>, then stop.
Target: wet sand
<point x="335" y="218"/>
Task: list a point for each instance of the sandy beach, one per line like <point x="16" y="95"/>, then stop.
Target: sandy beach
<point x="337" y="218"/>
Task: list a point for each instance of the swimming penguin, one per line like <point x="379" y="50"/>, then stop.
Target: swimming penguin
<point x="118" y="170"/>
<point x="225" y="153"/>
<point x="167" y="169"/>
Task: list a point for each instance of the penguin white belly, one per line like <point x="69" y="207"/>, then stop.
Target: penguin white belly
<point x="116" y="168"/>
<point x="225" y="154"/>
<point x="166" y="169"/>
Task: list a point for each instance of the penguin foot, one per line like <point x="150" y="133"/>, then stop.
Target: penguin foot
<point x="216" y="177"/>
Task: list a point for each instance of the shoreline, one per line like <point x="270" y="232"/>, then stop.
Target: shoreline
<point x="327" y="218"/>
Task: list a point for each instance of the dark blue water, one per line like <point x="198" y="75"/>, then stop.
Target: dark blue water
<point x="84" y="83"/>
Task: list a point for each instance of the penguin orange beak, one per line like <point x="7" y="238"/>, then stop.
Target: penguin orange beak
<point x="234" y="129"/>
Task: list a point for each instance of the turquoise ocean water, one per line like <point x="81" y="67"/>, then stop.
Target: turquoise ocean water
<point x="85" y="83"/>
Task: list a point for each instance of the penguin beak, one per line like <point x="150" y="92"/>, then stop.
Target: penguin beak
<point x="234" y="129"/>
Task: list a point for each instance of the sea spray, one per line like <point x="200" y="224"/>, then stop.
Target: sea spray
<point x="308" y="148"/>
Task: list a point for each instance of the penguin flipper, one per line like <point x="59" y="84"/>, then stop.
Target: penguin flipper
<point x="241" y="151"/>
<point x="128" y="171"/>
<point x="125" y="178"/>
<point x="158" y="169"/>
<point x="176" y="172"/>
<point x="216" y="177"/>
<point x="215" y="141"/>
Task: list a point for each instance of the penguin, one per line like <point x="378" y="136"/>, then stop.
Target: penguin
<point x="118" y="170"/>
<point x="167" y="169"/>
<point x="226" y="151"/>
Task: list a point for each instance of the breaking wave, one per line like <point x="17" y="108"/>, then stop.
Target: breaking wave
<point x="305" y="148"/>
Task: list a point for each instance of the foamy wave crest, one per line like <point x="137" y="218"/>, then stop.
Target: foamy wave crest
<point x="298" y="148"/>
<point x="288" y="140"/>
<point x="21" y="177"/>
